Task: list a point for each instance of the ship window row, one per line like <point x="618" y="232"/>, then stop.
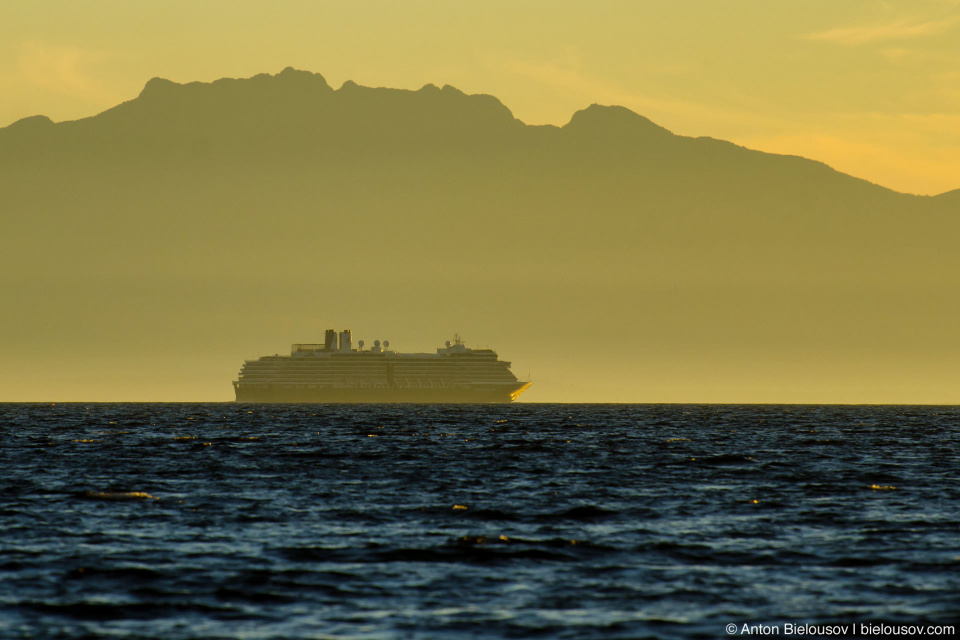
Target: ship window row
<point x="372" y="367"/>
<point x="399" y="381"/>
<point x="399" y="384"/>
<point x="377" y="374"/>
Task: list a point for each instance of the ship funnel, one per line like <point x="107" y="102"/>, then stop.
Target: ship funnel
<point x="330" y="340"/>
<point x="346" y="340"/>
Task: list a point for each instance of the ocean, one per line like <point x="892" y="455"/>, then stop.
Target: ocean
<point x="180" y="521"/>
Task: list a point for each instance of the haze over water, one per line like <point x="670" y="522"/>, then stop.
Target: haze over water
<point x="152" y="248"/>
<point x="554" y="521"/>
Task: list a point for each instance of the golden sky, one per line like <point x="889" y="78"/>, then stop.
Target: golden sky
<point x="870" y="87"/>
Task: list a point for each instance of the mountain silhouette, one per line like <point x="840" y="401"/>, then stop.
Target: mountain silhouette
<point x="950" y="196"/>
<point x="203" y="223"/>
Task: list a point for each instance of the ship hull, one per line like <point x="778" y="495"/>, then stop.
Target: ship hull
<point x="286" y="393"/>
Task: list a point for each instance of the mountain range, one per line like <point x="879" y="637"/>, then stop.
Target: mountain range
<point x="149" y="249"/>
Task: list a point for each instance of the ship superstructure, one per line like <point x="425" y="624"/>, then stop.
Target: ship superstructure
<point x="335" y="371"/>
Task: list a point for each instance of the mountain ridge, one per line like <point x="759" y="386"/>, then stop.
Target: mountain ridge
<point x="305" y="87"/>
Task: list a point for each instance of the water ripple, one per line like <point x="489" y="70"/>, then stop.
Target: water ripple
<point x="555" y="521"/>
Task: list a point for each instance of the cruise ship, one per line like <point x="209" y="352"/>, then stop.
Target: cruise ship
<point x="335" y="371"/>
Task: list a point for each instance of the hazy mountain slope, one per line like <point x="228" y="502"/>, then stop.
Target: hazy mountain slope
<point x="204" y="222"/>
<point x="951" y="198"/>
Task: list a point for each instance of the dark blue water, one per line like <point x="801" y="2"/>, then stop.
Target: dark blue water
<point x="546" y="521"/>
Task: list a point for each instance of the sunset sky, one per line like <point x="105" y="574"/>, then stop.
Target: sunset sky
<point x="871" y="88"/>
